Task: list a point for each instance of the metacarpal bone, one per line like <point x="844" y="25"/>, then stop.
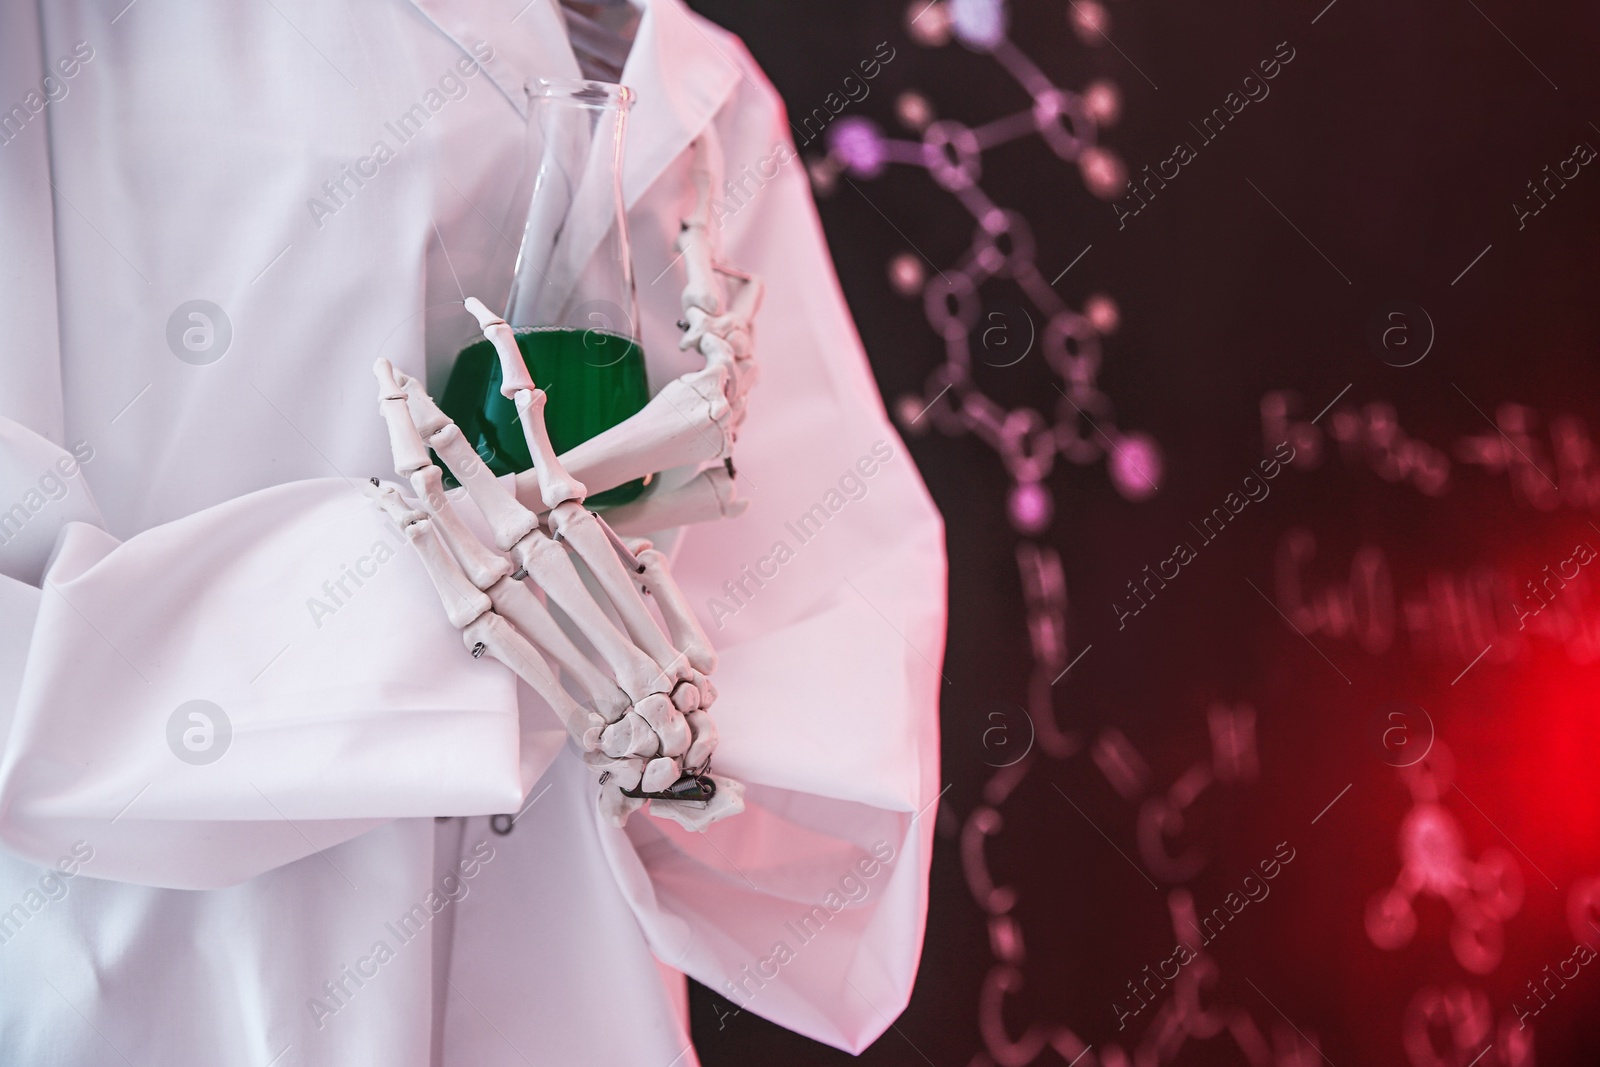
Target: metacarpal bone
<point x="469" y="609"/>
<point x="546" y="562"/>
<point x="747" y="301"/>
<point x="687" y="633"/>
<point x="582" y="530"/>
<point x="494" y="635"/>
<point x="702" y="289"/>
<point x="517" y="603"/>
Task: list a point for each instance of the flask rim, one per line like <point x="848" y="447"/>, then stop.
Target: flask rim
<point x="582" y="92"/>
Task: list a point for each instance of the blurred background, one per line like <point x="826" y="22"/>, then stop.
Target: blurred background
<point x="1272" y="505"/>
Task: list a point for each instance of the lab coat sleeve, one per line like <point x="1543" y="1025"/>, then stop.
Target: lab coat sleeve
<point x="229" y="692"/>
<point x="827" y="604"/>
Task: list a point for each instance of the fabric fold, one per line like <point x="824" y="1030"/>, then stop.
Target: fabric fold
<point x="244" y="686"/>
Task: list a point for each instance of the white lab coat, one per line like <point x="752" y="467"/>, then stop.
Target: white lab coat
<point x="158" y="911"/>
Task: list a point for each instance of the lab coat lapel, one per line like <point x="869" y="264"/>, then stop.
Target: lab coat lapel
<point x="682" y="77"/>
<point x="30" y="339"/>
<point x="530" y="40"/>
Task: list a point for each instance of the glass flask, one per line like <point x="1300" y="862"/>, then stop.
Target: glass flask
<point x="572" y="305"/>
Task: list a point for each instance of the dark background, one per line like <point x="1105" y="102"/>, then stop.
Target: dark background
<point x="1396" y="142"/>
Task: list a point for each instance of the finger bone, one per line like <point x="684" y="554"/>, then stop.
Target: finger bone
<point x="405" y="443"/>
<point x="686" y="424"/>
<point x="482" y="565"/>
<point x="556" y="483"/>
<point x="708" y="496"/>
<point x="509" y="520"/>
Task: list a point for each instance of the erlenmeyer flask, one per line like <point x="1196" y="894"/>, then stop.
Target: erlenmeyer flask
<point x="572" y="303"/>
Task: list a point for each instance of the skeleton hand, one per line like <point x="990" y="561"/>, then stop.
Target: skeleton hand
<point x="720" y="329"/>
<point x="645" y="728"/>
<point x="695" y="419"/>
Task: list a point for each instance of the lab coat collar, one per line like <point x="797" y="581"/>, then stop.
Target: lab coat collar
<point x="532" y="42"/>
<point x="681" y="71"/>
<point x="682" y="75"/>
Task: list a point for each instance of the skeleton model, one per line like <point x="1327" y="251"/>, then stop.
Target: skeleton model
<point x="645" y="726"/>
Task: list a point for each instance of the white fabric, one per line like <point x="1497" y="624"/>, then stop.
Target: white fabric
<point x="165" y="911"/>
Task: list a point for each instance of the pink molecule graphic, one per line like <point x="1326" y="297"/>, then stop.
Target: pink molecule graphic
<point x="1003" y="247"/>
<point x="1481" y="894"/>
<point x="1090" y="21"/>
<point x="1103" y="102"/>
<point x="978" y="24"/>
<point x="1136" y="467"/>
<point x="859" y="145"/>
<point x="1031" y="507"/>
<point x="906" y="274"/>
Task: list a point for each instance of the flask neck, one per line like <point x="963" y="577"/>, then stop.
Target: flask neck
<point x="574" y="266"/>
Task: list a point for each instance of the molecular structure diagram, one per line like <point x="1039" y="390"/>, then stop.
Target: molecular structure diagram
<point x="1081" y="429"/>
<point x="1451" y="1026"/>
<point x="1434" y="862"/>
<point x="1083" y="426"/>
<point x="1181" y="1009"/>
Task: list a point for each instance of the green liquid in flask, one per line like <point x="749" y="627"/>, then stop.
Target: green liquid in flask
<point x="593" y="380"/>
